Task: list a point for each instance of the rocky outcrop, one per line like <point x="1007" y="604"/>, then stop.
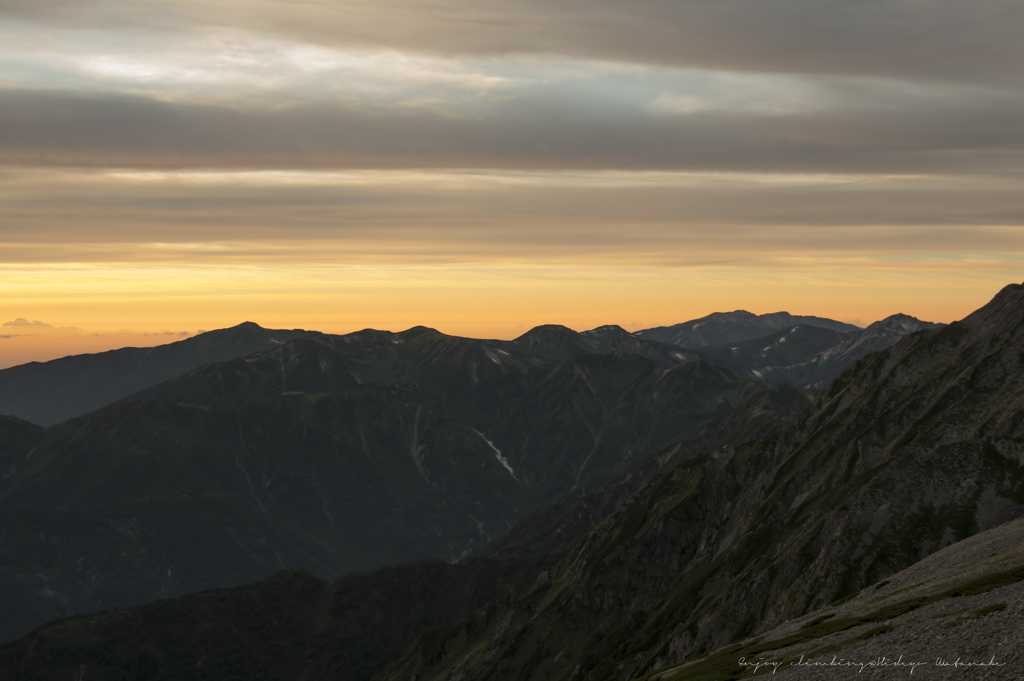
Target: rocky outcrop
<point x="954" y="612"/>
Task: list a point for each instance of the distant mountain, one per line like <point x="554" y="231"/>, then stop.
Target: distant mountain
<point x="730" y="327"/>
<point x="559" y="342"/>
<point x="337" y="453"/>
<point x="447" y="364"/>
<point x="787" y="347"/>
<point x="52" y="392"/>
<point x="821" y="369"/>
<point x="793" y="355"/>
<point x="908" y="451"/>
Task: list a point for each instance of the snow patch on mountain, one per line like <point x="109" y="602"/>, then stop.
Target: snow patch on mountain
<point x="497" y="454"/>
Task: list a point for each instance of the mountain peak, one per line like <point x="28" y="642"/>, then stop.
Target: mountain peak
<point x="739" y="325"/>
<point x="901" y="323"/>
<point x="608" y="329"/>
<point x="419" y="330"/>
<point x="1006" y="308"/>
<point x="546" y="330"/>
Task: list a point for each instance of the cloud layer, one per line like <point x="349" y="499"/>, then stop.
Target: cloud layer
<point x="739" y="85"/>
<point x="542" y="128"/>
<point x="486" y="166"/>
<point x="942" y="39"/>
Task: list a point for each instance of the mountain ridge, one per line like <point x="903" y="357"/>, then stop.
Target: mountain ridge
<point x="822" y="360"/>
<point x="333" y="454"/>
<point x="908" y="451"/>
<point x="739" y="325"/>
<point x="51" y="392"/>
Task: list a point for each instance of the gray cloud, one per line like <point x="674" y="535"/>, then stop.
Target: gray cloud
<point x="35" y="328"/>
<point x="872" y="129"/>
<point x="24" y="322"/>
<point x="91" y="216"/>
<point x="945" y="39"/>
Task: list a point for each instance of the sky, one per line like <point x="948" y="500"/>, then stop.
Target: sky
<point x="483" y="167"/>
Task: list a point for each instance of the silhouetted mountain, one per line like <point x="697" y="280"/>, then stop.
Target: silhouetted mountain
<point x="730" y="327"/>
<point x="463" y="368"/>
<point x="908" y="451"/>
<point x="553" y="341"/>
<point x="333" y="453"/>
<point x="52" y="392"/>
<point x="468" y="370"/>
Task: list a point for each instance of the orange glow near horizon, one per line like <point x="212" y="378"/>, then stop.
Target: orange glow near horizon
<point x="114" y="259"/>
<point x="94" y="308"/>
<point x="482" y="168"/>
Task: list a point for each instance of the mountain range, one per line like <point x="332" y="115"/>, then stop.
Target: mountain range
<point x="908" y="451"/>
<point x="809" y="356"/>
<point x="341" y="453"/>
<point x="730" y="327"/>
<point x="606" y="505"/>
<point x="51" y="392"/>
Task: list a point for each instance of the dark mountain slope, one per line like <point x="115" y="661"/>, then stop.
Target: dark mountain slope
<point x="553" y="526"/>
<point x="730" y="327"/>
<point x="288" y="627"/>
<point x="471" y="371"/>
<point x="910" y="449"/>
<point x="553" y="341"/>
<point x="481" y="376"/>
<point x="52" y="392"/>
<point x="819" y="370"/>
<point x="248" y="471"/>
<point x="789" y="346"/>
<point x="559" y="425"/>
<point x="964" y="603"/>
<point x="292" y="626"/>
<point x="598" y="413"/>
<point x="17" y="438"/>
<point x="143" y="500"/>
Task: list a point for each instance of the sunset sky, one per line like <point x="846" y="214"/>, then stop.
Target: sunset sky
<point x="483" y="167"/>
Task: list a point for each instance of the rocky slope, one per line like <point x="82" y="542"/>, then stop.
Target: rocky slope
<point x="956" y="612"/>
<point x="910" y="450"/>
<point x="52" y="392"/>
